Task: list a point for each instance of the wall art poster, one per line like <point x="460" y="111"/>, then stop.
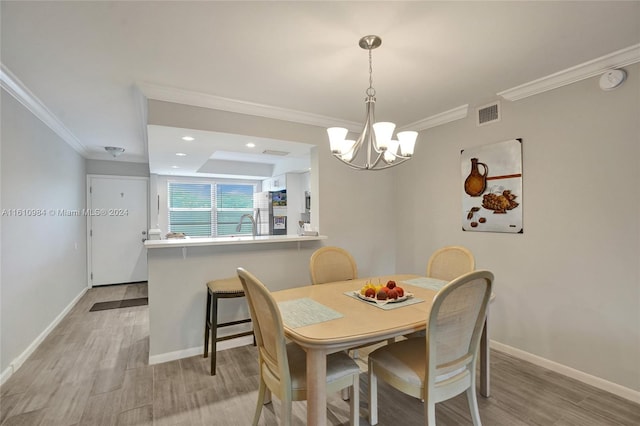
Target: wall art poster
<point x="492" y="187"/>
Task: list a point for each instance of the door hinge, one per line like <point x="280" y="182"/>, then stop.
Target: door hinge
<point x="91" y="190"/>
<point x="91" y="232"/>
<point x="92" y="276"/>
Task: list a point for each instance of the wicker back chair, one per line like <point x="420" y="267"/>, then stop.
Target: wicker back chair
<point x="283" y="367"/>
<point x="329" y="264"/>
<point x="441" y="365"/>
<point x="450" y="262"/>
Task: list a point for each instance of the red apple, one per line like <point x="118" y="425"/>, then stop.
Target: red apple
<point x="370" y="292"/>
<point x="382" y="295"/>
<point x="391" y="284"/>
<point x="400" y="291"/>
<point x="393" y="294"/>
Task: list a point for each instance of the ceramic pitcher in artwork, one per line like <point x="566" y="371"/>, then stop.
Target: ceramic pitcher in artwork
<point x="476" y="182"/>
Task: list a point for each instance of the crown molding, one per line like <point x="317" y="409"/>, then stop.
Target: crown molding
<point x="186" y="97"/>
<point x="617" y="59"/>
<point x="22" y="94"/>
<point x="439" y="119"/>
<point x="170" y="94"/>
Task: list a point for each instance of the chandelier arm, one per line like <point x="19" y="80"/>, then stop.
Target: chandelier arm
<point x="366" y="129"/>
<point x="371" y="117"/>
<point x="397" y="163"/>
<point x="393" y="164"/>
<point x="378" y="158"/>
<point x="403" y="157"/>
<point x="361" y="168"/>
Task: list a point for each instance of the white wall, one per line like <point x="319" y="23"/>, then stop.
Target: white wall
<point x="43" y="257"/>
<point x="117" y="168"/>
<point x="568" y="288"/>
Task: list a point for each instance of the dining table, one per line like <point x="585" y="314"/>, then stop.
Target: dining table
<point x="331" y="317"/>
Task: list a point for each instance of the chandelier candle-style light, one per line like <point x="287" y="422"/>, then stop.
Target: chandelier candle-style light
<point x="382" y="152"/>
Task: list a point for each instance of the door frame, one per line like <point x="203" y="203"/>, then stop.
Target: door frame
<point x="89" y="207"/>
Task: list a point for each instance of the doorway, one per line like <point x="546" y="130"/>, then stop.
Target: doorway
<point x="117" y="208"/>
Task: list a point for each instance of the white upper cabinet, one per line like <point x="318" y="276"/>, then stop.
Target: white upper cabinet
<point x="275" y="183"/>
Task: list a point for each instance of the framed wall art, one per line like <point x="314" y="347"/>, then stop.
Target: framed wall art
<point x="492" y="198"/>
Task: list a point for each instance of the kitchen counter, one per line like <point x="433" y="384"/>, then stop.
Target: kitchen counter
<point x="231" y="240"/>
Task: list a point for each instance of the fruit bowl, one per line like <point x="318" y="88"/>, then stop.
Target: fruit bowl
<point x="383" y="302"/>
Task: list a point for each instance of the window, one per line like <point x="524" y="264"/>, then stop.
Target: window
<point x="209" y="209"/>
<point x="232" y="201"/>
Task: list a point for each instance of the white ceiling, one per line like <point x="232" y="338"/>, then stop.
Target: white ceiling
<point x="213" y="149"/>
<point x="85" y="60"/>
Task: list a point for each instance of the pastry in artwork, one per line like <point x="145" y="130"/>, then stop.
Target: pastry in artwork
<point x="500" y="203"/>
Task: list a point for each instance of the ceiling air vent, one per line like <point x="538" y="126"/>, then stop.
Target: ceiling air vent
<point x="488" y="113"/>
<point x="274" y="152"/>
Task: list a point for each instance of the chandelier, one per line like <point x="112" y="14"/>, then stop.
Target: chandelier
<point x="382" y="151"/>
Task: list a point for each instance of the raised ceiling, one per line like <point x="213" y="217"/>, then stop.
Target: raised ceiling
<point x="85" y="60"/>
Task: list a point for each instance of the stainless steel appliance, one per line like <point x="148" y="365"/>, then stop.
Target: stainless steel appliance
<point x="271" y="215"/>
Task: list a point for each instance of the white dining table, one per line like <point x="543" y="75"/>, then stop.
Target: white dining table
<point x="347" y="322"/>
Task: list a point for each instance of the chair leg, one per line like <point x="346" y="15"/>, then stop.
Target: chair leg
<point x="373" y="396"/>
<point x="344" y="393"/>
<point x="473" y="405"/>
<point x="261" y="394"/>
<point x="354" y="401"/>
<point x="285" y="412"/>
<point x="207" y="328"/>
<point x="430" y="413"/>
<point x="214" y="332"/>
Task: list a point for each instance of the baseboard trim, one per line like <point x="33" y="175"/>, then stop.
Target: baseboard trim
<point x="20" y="359"/>
<point x="581" y="376"/>
<point x="186" y="353"/>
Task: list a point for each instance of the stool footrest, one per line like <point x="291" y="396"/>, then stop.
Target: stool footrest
<point x="227" y="324"/>
<point x="233" y="336"/>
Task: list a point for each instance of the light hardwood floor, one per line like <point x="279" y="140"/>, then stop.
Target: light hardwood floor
<point x="93" y="370"/>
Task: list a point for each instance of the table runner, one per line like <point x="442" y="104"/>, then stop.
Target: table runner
<point x="386" y="306"/>
<point x="305" y="311"/>
<point x="428" y="283"/>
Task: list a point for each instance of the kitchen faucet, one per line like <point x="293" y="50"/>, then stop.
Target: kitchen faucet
<point x="253" y="222"/>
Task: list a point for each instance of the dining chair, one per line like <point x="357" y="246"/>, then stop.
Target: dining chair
<point x="283" y="367"/>
<point x="448" y="263"/>
<point x="329" y="264"/>
<point x="441" y="365"/>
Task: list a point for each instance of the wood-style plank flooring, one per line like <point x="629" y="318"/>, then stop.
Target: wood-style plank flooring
<point x="93" y="370"/>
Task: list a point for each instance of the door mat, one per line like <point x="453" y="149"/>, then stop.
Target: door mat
<point x="126" y="303"/>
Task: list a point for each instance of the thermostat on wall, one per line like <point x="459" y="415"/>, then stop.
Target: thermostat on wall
<point x="612" y="79"/>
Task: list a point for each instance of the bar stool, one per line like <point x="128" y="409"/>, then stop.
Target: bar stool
<point x="225" y="288"/>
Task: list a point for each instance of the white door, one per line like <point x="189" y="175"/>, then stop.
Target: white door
<point x="117" y="209"/>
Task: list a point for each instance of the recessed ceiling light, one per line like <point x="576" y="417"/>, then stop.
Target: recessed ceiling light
<point x="175" y="167"/>
<point x="251" y="145"/>
<point x="188" y="138"/>
<point x="181" y="154"/>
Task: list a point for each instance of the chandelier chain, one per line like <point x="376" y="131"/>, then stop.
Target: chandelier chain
<point x="371" y="91"/>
